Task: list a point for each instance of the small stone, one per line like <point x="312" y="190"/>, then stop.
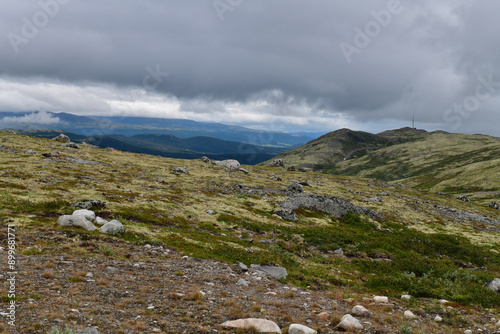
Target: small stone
<point x="493" y="284"/>
<point x="361" y="311"/>
<point x="468" y="331"/>
<point x="67" y="220"/>
<point x="100" y="221"/>
<point x="380" y="299"/>
<point x="438" y="318"/>
<point x="62" y="138"/>
<point x="261" y="325"/>
<point x="349" y="323"/>
<point x="29" y="152"/>
<point x="406" y="297"/>
<point x="89" y="274"/>
<point x="242" y="282"/>
<point x="338" y="251"/>
<point x="210" y="212"/>
<point x="409" y="315"/>
<point x="300" y="329"/>
<point x="88" y="214"/>
<point x="296" y="187"/>
<point x="91" y="330"/>
<point x="242" y="266"/>
<point x="180" y="170"/>
<point x="112" y="227"/>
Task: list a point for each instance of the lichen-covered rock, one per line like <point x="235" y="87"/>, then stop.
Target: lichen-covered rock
<point x="88" y="214"/>
<point x="229" y="164"/>
<point x="300" y="329"/>
<point x="112" y="227"/>
<point x="349" y="323"/>
<point x="76" y="220"/>
<point x="493" y="284"/>
<point x="361" y="311"/>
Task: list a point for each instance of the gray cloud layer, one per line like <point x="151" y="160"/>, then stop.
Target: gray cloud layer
<point x="276" y="58"/>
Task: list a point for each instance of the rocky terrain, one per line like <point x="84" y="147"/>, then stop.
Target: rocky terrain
<point x="203" y="244"/>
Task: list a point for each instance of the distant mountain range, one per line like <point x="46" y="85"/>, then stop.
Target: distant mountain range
<point x="165" y="137"/>
<point x="436" y="161"/>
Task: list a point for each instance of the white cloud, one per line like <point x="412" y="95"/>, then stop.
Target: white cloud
<point x="39" y="118"/>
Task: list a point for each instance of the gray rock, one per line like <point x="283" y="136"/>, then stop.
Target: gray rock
<point x="468" y="331"/>
<point x="296" y="187"/>
<point x="84" y="162"/>
<point x="62" y="138"/>
<point x="349" y="323"/>
<point x="373" y="199"/>
<point x="91" y="330"/>
<point x="277" y="163"/>
<point x="275" y="178"/>
<point x="89" y="205"/>
<point x="100" y="221"/>
<point x="286" y="215"/>
<point x="494" y="205"/>
<point x="291" y="169"/>
<point x="210" y="212"/>
<point x="260" y="325"/>
<point x="465" y="216"/>
<point x="229" y="164"/>
<point x="361" y="311"/>
<point x="273" y="271"/>
<point x="242" y="266"/>
<point x="88" y="214"/>
<point x="493" y="284"/>
<point x="51" y="154"/>
<point x="409" y="315"/>
<point x="112" y="227"/>
<point x="205" y="159"/>
<point x="305" y="169"/>
<point x="78" y="220"/>
<point x="180" y="170"/>
<point x="333" y="206"/>
<point x="462" y="198"/>
<point x="160" y="180"/>
<point x="29" y="152"/>
<point x="242" y="282"/>
<point x="243" y="170"/>
<point x="72" y="145"/>
<point x="338" y="251"/>
<point x="300" y="329"/>
<point x="438" y="318"/>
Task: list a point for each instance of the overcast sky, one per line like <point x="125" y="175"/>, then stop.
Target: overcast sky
<point x="290" y="65"/>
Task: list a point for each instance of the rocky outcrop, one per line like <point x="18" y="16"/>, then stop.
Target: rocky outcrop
<point x="286" y="215"/>
<point x="462" y="198"/>
<point x="277" y="163"/>
<point x="494" y="205"/>
<point x="465" y="216"/>
<point x="333" y="206"/>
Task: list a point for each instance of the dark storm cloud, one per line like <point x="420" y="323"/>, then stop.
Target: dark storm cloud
<point x="403" y="58"/>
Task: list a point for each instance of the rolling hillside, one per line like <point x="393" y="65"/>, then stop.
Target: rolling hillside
<point x="435" y="161"/>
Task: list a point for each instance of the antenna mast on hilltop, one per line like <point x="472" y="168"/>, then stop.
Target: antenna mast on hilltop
<point x="413" y="122"/>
